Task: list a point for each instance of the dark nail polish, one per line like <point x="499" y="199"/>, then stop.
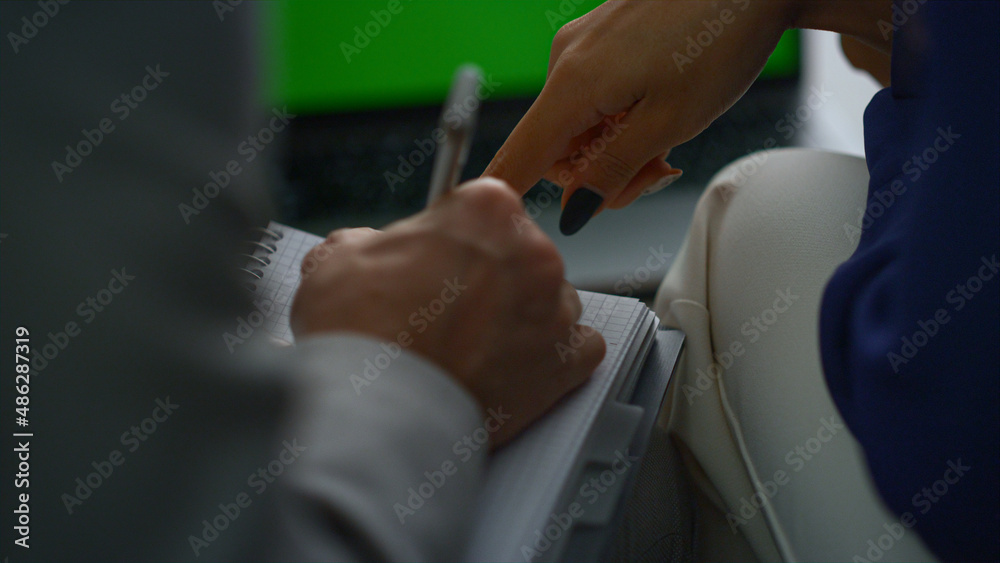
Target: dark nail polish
<point x="579" y="209"/>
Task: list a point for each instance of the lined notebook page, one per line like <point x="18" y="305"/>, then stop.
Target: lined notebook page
<point x="526" y="477"/>
<point x="282" y="276"/>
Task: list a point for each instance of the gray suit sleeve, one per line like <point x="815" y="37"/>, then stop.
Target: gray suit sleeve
<point x="150" y="438"/>
<point x="389" y="463"/>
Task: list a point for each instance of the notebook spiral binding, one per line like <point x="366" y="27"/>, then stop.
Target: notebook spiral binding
<point x="259" y="255"/>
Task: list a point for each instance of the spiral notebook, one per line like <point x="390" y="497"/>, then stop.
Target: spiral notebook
<point x="539" y="473"/>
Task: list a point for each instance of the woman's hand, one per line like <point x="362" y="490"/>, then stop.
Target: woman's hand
<point x="631" y="80"/>
<point x="867" y="58"/>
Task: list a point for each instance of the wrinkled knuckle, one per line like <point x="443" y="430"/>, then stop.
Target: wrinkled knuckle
<point x="561" y="40"/>
<point x="493" y="198"/>
<point x="336" y="236"/>
<point x="545" y="253"/>
<point x="613" y="170"/>
<point x="348" y="235"/>
<point x="569" y="67"/>
<point x="316" y="258"/>
<point x="495" y="183"/>
<point x="540" y="261"/>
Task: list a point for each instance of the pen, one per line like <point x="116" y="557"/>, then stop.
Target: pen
<point x="458" y="121"/>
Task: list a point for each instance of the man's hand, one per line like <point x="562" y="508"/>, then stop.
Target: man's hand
<point x="473" y="285"/>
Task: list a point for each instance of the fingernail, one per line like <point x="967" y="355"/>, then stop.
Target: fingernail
<point x="663" y="182"/>
<point x="579" y="209"/>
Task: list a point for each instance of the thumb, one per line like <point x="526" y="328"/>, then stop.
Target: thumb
<point x="609" y="163"/>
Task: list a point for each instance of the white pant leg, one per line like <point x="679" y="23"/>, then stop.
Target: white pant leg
<point x="750" y="406"/>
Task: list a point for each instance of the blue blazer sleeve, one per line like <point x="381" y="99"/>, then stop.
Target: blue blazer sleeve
<point x="909" y="324"/>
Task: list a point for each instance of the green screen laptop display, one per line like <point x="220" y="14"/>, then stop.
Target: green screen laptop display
<point x="326" y="57"/>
